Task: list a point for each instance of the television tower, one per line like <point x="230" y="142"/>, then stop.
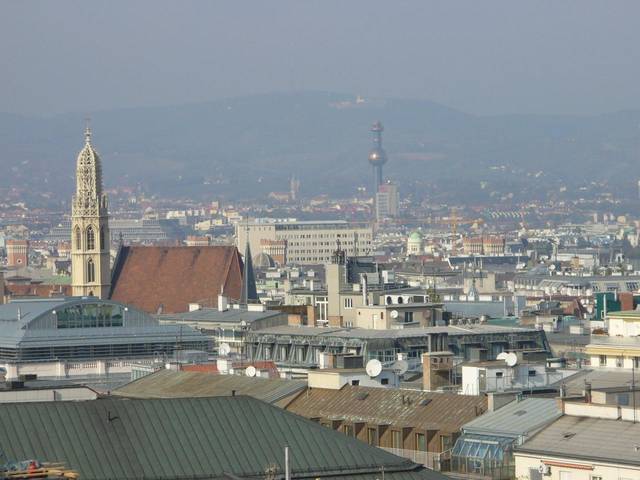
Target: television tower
<point x="377" y="155"/>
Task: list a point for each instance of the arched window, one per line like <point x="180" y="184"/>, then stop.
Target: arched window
<point x="91" y="271"/>
<point x="91" y="238"/>
<point x="78" y="238"/>
<point x="102" y="242"/>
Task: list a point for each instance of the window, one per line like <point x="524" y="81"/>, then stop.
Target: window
<point x="421" y="442"/>
<point x="355" y="383"/>
<point x="532" y="373"/>
<point x="603" y="360"/>
<point x="619" y="362"/>
<point x="384" y="381"/>
<point x="408" y="317"/>
<point x="91" y="238"/>
<point x="102" y="242"/>
<point x="596" y="477"/>
<point x="636" y="362"/>
<point x="78" y="238"/>
<point x="623" y="399"/>
<point x="347" y="430"/>
<point x="396" y="439"/>
<point x="445" y="443"/>
<point x="372" y="436"/>
<point x="348" y="303"/>
<point x="91" y="271"/>
<point x="498" y="374"/>
<point x="534" y="474"/>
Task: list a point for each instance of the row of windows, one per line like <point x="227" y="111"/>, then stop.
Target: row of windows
<point x="89" y="238"/>
<point x="397" y="440"/>
<point x="618" y="361"/>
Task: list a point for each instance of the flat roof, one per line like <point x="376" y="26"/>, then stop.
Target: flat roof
<point x="587" y="438"/>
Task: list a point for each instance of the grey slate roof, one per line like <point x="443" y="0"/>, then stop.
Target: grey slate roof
<point x="586" y="438"/>
<point x="188" y="438"/>
<point x="170" y="384"/>
<point x="518" y="418"/>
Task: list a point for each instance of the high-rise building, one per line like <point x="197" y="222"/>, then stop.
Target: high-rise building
<point x="387" y="201"/>
<point x="90" y="273"/>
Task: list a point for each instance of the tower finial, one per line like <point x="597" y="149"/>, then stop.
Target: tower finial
<point x="87" y="130"/>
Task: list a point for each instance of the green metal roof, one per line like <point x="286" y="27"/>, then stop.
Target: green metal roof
<point x="188" y="438"/>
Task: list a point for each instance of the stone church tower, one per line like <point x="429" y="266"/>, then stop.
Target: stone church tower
<point x="90" y="239"/>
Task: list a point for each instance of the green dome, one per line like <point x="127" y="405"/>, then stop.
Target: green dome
<point x="416" y="236"/>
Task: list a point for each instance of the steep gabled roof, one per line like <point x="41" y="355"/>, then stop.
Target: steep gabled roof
<point x="188" y="438"/>
<point x="167" y="279"/>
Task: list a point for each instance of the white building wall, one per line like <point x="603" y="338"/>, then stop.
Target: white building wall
<point x="573" y="469"/>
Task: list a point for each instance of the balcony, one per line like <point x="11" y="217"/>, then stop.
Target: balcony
<point x="432" y="460"/>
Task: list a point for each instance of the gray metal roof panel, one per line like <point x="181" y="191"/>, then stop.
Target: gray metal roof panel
<point x="171" y="384"/>
<point x="518" y="418"/>
<point x="587" y="438"/>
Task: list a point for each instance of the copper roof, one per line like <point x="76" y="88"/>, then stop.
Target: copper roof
<point x="386" y="406"/>
<point x="167" y="279"/>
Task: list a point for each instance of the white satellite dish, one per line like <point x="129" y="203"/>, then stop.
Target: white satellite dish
<point x="373" y="368"/>
<point x="511" y="359"/>
<point x="224" y="349"/>
<point x="502" y="356"/>
<point x="394" y="314"/>
<point x="250" y="371"/>
<point x="400" y="367"/>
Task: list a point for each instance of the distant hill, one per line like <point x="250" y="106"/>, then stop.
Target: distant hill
<point x="245" y="147"/>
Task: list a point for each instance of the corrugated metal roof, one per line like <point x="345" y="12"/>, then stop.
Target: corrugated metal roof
<point x="516" y="418"/>
<point x="187" y="438"/>
<point x="170" y="384"/>
<point x="586" y="438"/>
<point x="402" y="408"/>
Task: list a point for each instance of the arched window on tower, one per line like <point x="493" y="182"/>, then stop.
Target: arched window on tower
<point x="91" y="271"/>
<point x="102" y="242"/>
<point x="78" y="238"/>
<point x="91" y="238"/>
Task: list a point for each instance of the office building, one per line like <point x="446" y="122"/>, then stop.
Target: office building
<point x="305" y="242"/>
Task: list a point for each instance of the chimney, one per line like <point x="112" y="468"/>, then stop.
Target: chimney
<point x="587" y="392"/>
<point x="223" y="305"/>
<point x="365" y="291"/>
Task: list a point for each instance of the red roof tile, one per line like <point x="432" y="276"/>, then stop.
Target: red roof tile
<point x="169" y="278"/>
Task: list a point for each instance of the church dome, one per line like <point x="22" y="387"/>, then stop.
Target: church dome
<point x="263" y="260"/>
<point x="415" y="236"/>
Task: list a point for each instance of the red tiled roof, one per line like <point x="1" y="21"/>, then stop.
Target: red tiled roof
<point x="201" y="368"/>
<point x="37" y="290"/>
<point x="169" y="278"/>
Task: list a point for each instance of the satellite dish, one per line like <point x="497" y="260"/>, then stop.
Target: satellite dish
<point x="511" y="359"/>
<point x="394" y="314"/>
<point x="224" y="349"/>
<point x="250" y="371"/>
<point x="502" y="356"/>
<point x="373" y="368"/>
<point x="400" y="367"/>
<point x="552" y="267"/>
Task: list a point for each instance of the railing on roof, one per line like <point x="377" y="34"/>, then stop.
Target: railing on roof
<point x="432" y="460"/>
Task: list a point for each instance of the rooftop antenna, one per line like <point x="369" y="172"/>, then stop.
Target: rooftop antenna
<point x="87" y="130"/>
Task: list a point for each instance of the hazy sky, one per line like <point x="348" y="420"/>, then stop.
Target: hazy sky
<point x="481" y="56"/>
